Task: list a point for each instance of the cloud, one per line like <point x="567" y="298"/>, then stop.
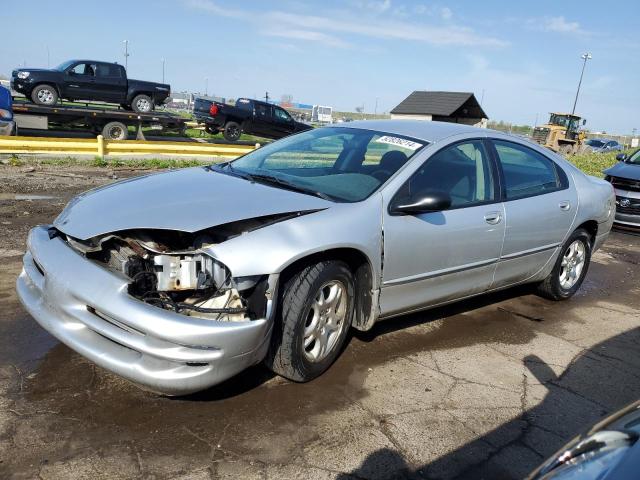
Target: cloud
<point x="557" y="25"/>
<point x="308" y="35"/>
<point x="324" y="29"/>
<point x="433" y="35"/>
<point x="212" y="7"/>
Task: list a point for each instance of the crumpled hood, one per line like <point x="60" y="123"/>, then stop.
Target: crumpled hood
<point x="624" y="170"/>
<point x="186" y="200"/>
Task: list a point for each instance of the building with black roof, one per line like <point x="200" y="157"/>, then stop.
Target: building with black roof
<point x="455" y="107"/>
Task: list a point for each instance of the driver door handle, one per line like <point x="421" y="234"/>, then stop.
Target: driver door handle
<point x="565" y="205"/>
<point x="493" y="218"/>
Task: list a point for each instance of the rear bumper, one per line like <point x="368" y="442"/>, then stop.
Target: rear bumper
<point x="88" y="308"/>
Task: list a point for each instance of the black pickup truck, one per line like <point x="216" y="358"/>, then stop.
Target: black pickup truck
<point x="88" y="80"/>
<point x="247" y="116"/>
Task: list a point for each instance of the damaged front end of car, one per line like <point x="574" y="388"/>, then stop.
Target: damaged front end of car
<point x="153" y="306"/>
<point x="173" y="271"/>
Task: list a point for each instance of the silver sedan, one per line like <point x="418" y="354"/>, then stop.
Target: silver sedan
<point x="180" y="280"/>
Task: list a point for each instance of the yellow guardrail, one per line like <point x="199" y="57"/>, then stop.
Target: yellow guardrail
<point x="102" y="147"/>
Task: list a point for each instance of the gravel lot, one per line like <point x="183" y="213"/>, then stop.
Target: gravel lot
<point x="481" y="389"/>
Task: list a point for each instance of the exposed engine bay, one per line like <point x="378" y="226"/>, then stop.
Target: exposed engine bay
<point x="168" y="269"/>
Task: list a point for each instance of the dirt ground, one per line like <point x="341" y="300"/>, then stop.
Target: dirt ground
<point x="485" y="388"/>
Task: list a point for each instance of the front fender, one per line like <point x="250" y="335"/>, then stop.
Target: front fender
<point x="273" y="248"/>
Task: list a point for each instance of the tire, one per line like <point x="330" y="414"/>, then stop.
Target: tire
<point x="115" y="131"/>
<point x="566" y="149"/>
<point x="302" y="358"/>
<point x="44" y="95"/>
<point x="557" y="286"/>
<point x="232" y="131"/>
<point x="142" y="104"/>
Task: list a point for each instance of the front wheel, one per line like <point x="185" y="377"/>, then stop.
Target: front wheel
<point x="142" y="104"/>
<point x="316" y="307"/>
<point x="570" y="268"/>
<point x="44" y="95"/>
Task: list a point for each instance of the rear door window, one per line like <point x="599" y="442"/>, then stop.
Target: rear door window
<point x="526" y="172"/>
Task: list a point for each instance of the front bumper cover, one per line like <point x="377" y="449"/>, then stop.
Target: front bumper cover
<point x="88" y="308"/>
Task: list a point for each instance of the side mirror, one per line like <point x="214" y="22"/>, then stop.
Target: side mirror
<point x="621" y="157"/>
<point x="584" y="121"/>
<point x="427" y="202"/>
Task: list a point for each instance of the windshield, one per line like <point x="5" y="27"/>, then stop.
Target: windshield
<point x="342" y="164"/>
<point x="595" y="143"/>
<point x="64" y="65"/>
<point x="635" y="158"/>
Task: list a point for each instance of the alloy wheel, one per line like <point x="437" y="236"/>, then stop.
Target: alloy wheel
<point x="325" y="321"/>
<point x="573" y="262"/>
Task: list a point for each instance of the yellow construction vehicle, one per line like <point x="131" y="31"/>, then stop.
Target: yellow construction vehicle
<point x="561" y="134"/>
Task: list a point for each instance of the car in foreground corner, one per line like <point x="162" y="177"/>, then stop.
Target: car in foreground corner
<point x="609" y="450"/>
<point x="180" y="280"/>
<point x="625" y="178"/>
<point x="7" y="123"/>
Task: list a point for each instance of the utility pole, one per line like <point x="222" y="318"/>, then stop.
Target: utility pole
<point x="482" y="97"/>
<point x="48" y="57"/>
<point x="126" y="55"/>
<point x="266" y="97"/>
<point x="585" y="57"/>
<point x="375" y="109"/>
<point x="206" y="86"/>
<point x="163" y="70"/>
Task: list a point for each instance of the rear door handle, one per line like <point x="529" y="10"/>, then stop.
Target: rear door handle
<point x="492" y="218"/>
<point x="565" y="205"/>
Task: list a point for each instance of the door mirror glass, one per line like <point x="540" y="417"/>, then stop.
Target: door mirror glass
<point x="621" y="157"/>
<point x="584" y="121"/>
<point x="426" y="202"/>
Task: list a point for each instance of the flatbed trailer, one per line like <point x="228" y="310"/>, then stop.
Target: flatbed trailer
<point x="111" y="122"/>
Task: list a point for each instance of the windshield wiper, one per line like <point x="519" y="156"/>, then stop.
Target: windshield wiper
<point x="273" y="180"/>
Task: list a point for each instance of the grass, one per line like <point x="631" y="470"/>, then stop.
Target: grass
<point x="594" y="163"/>
<point x="110" y="162"/>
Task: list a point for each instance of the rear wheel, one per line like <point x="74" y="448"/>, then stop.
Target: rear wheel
<point x="570" y="268"/>
<point x="115" y="131"/>
<point x="44" y="95"/>
<point x="316" y="307"/>
<point x="232" y="131"/>
<point x="142" y="104"/>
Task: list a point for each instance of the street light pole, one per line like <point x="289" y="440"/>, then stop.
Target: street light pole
<point x="585" y="57"/>
<point x="163" y="70"/>
<point x="126" y="54"/>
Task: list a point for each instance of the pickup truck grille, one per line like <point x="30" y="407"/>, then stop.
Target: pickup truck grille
<point x="625" y="184"/>
<point x="540" y="135"/>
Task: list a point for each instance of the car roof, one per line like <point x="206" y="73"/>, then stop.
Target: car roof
<point x="420" y="129"/>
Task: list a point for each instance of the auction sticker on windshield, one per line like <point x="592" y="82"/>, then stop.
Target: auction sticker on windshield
<point x="400" y="142"/>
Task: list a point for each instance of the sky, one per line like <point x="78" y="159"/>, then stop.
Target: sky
<point x="521" y="59"/>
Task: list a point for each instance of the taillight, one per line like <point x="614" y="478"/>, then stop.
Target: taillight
<point x="213" y="110"/>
